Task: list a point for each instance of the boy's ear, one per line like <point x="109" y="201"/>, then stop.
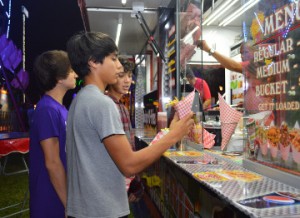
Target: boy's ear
<point x="92" y="63"/>
<point x="59" y="81"/>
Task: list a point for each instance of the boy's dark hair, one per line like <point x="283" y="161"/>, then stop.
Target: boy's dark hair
<point x="127" y="64"/>
<point x="49" y="67"/>
<point x="89" y="46"/>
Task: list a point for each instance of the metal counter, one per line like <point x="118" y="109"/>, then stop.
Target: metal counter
<point x="233" y="191"/>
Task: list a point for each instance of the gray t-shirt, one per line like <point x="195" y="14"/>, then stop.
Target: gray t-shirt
<point x="96" y="187"/>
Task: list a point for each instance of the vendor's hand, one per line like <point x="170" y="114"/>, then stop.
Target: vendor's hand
<point x="202" y="44"/>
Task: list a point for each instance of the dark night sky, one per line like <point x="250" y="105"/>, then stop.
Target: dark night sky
<point x="49" y="26"/>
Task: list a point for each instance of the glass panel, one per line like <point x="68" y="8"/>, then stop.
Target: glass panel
<point x="272" y="81"/>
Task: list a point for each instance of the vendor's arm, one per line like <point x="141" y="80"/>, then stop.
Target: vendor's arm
<point x="207" y="104"/>
<point x="132" y="162"/>
<point x="55" y="167"/>
<point x="227" y="62"/>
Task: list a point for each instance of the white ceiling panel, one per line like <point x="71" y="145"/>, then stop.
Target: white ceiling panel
<point x="103" y="16"/>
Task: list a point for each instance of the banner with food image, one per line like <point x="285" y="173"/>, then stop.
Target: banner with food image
<point x="236" y="86"/>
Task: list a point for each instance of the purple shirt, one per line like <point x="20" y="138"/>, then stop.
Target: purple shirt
<point x="49" y="120"/>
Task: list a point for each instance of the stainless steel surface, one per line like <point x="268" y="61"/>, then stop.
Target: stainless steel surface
<point x="273" y="173"/>
<point x="212" y="125"/>
<point x="232" y="191"/>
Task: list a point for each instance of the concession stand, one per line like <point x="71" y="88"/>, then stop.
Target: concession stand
<point x="242" y="157"/>
<point x="262" y="179"/>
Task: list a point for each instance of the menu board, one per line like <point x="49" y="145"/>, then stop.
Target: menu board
<point x="271" y="65"/>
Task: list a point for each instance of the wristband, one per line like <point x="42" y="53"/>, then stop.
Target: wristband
<point x="211" y="51"/>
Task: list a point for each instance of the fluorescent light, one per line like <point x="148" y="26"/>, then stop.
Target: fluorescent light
<point x="123" y="2"/>
<point x="219" y="11"/>
<point x="259" y="23"/>
<point x="121" y="10"/>
<point x="236" y="14"/>
<point x="189" y="36"/>
<point x="119" y="28"/>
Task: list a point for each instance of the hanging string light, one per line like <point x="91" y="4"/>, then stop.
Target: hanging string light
<point x="8" y="14"/>
<point x="25" y="15"/>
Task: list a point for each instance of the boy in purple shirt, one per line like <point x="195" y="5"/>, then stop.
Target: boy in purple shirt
<point x="47" y="170"/>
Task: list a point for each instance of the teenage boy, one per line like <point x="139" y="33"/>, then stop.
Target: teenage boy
<point x="121" y="88"/>
<point x="99" y="154"/>
<point x="116" y="92"/>
<point x="47" y="156"/>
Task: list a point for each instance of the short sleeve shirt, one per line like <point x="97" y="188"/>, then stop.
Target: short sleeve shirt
<point x="49" y="120"/>
<point x="96" y="187"/>
<point x="202" y="87"/>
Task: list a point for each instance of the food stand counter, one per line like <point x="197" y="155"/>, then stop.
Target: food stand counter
<point x="208" y="184"/>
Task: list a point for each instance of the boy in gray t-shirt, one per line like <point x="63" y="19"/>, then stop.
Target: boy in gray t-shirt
<point x="98" y="152"/>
